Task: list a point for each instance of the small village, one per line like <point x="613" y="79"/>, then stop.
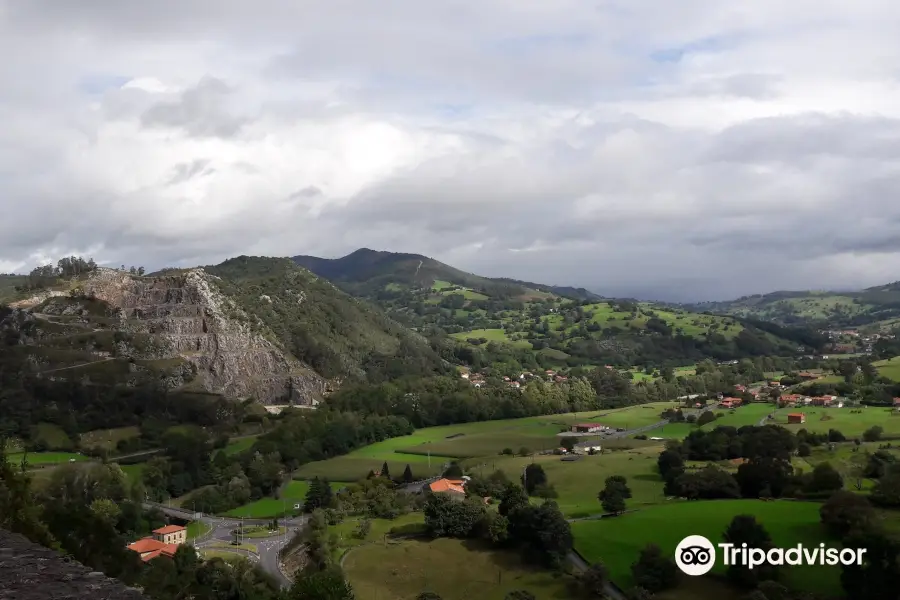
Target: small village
<point x="478" y="380"/>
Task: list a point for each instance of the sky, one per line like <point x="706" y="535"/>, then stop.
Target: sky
<point x="682" y="151"/>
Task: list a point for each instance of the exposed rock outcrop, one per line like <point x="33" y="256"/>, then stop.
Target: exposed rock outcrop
<point x="182" y="321"/>
<point x="191" y="318"/>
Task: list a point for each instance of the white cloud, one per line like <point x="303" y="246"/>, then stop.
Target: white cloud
<point x="702" y="149"/>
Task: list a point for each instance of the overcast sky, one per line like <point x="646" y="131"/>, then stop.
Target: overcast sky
<point x="686" y="150"/>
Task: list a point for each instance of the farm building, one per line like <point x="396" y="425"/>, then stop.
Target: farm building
<point x="453" y="487"/>
<point x="796" y="418"/>
<point x="588" y="428"/>
<point x="821" y="400"/>
<point x="789" y="400"/>
<point x="730" y="403"/>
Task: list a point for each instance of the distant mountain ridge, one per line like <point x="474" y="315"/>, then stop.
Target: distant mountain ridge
<point x="876" y="307"/>
<point x="365" y="272"/>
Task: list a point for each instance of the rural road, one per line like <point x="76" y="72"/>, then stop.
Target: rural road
<point x="612" y="592"/>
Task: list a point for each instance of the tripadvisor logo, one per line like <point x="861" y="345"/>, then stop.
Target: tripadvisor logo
<point x="696" y="555"/>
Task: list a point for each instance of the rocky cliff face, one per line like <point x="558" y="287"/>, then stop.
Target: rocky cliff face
<point x="186" y="316"/>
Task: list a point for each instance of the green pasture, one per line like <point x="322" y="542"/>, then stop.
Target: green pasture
<point x="452" y="569"/>
<point x="467" y="440"/>
<point x="133" y="472"/>
<point x="851" y="424"/>
<point x="197" y="528"/>
<point x="294" y="492"/>
<point x="632" y="417"/>
<point x="617" y="541"/>
<point x="578" y="482"/>
<point x="379" y="528"/>
<point x="238" y="446"/>
<point x="491" y="335"/>
<point x="349" y="469"/>
<point x="889" y="368"/>
<point x="673" y="431"/>
<point x="747" y="414"/>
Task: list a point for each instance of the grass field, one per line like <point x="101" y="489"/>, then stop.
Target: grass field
<point x="820" y="419"/>
<point x="37" y="459"/>
<point x="294" y="492"/>
<point x="133" y="472"/>
<point x="262" y="531"/>
<point x="237" y="446"/>
<point x="223" y="553"/>
<point x="889" y="368"/>
<point x="491" y="335"/>
<point x="378" y="530"/>
<point x="224" y="545"/>
<point x="453" y="569"/>
<point x="749" y="414"/>
<point x="579" y="482"/>
<point x="108" y="438"/>
<point x="467" y="440"/>
<point x="616" y="542"/>
<point x="197" y="528"/>
<point x="673" y="431"/>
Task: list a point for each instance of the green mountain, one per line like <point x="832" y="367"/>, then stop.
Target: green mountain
<point x="875" y="308"/>
<point x="368" y="273"/>
<point x="261" y="328"/>
<point x="545" y="326"/>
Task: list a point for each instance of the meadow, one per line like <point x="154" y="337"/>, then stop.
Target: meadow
<point x="617" y="541"/>
<point x="444" y="288"/>
<point x="749" y="414"/>
<point x="889" y="368"/>
<point x="197" y="528"/>
<point x="293" y="492"/>
<point x="579" y="482"/>
<point x="453" y="569"/>
<point x="469" y="440"/>
<point x="133" y="472"/>
<point x="851" y="424"/>
<point x="239" y="445"/>
<point x="378" y="530"/>
<point x="491" y="335"/>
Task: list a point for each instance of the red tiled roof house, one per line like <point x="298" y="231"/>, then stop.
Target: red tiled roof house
<point x="453" y="487"/>
<point x="164" y="542"/>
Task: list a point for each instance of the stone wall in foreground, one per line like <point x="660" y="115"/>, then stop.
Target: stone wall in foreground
<point x="29" y="571"/>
